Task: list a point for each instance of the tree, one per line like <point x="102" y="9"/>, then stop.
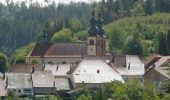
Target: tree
<point x="148" y="7"/>
<point x="11" y="96"/>
<point x="21" y="54"/>
<point x="162" y="49"/>
<point x="75" y="25"/>
<point x="84" y="97"/>
<point x="52" y="98"/>
<point x="34" y="61"/>
<point x="168" y="41"/>
<point x="62" y="36"/>
<point x="116" y="40"/>
<point x="81" y="35"/>
<point x="135" y="46"/>
<point x="3" y="62"/>
<point x="131" y="90"/>
<point x="163" y="5"/>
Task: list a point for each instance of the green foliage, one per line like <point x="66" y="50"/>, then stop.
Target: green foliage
<point x="12" y="96"/>
<point x="168" y="41"/>
<point x="84" y="97"/>
<point x="34" y="61"/>
<point x="121" y="34"/>
<point x="116" y="39"/>
<point x="136" y="46"/>
<point x="131" y="90"/>
<point x="62" y="36"/>
<point x="81" y="35"/>
<point x="162" y="49"/>
<point x="52" y="98"/>
<point x="3" y="62"/>
<point x="75" y="25"/>
<point x="22" y="53"/>
<point x="167" y="86"/>
<point x="166" y="97"/>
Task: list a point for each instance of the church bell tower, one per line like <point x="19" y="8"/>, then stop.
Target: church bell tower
<point x="96" y="39"/>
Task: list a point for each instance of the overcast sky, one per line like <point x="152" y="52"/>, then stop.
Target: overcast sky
<point x="57" y="1"/>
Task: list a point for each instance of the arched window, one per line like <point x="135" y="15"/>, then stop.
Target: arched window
<point x="64" y="62"/>
<point x="91" y="42"/>
<point x="50" y="62"/>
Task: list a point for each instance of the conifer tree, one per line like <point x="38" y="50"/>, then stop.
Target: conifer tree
<point x="162" y="48"/>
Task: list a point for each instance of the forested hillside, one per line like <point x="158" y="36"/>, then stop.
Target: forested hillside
<point x="136" y="23"/>
<point x="20" y="24"/>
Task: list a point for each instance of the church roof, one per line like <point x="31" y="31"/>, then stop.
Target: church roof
<point x="58" y="49"/>
<point x="95" y="71"/>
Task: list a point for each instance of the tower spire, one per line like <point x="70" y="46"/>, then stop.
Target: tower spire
<point x="100" y="24"/>
<point x="93" y="30"/>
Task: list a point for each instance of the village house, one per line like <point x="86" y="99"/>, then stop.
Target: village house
<point x="157" y="72"/>
<point x="20" y="84"/>
<point x="2" y="85"/>
<point x="43" y="83"/>
<point x="59" y="72"/>
<point x="130" y="67"/>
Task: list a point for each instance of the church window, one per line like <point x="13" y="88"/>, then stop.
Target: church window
<point x="91" y="42"/>
<point x="64" y="62"/>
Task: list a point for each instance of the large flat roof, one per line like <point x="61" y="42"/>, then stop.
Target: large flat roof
<point x="61" y="83"/>
<point x="43" y="79"/>
<point x="58" y="69"/>
<point x="95" y="71"/>
<point x="19" y="80"/>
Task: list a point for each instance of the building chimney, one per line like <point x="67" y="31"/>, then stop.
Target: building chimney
<point x="33" y="69"/>
<point x="57" y="66"/>
<point x="43" y="67"/>
<point x="53" y="83"/>
<point x="98" y="71"/>
<point x="129" y="66"/>
<point x="6" y="83"/>
<point x="4" y="76"/>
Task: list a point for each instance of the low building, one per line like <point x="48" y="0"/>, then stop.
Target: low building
<point x="25" y="68"/>
<point x="20" y="84"/>
<point x="130" y="67"/>
<point x="59" y="72"/>
<point x="157" y="73"/>
<point x="43" y="83"/>
<point x="2" y="85"/>
<point x="93" y="73"/>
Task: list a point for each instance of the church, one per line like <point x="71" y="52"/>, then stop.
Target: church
<point x="86" y="63"/>
<point x="67" y="53"/>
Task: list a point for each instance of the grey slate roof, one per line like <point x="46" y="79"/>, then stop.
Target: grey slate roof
<point x="25" y="68"/>
<point x="2" y="86"/>
<point x="18" y="80"/>
<point x="43" y="79"/>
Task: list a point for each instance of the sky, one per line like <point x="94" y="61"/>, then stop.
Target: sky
<point x="57" y="1"/>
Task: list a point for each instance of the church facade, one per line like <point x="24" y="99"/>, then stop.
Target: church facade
<point x="67" y="53"/>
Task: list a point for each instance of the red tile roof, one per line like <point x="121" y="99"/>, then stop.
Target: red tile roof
<point x="59" y="49"/>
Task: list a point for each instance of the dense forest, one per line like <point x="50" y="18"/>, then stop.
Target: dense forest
<point x="138" y="27"/>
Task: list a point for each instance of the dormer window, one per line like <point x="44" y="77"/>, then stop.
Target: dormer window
<point x="91" y="42"/>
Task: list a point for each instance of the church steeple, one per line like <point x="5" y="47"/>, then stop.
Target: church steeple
<point x="93" y="30"/>
<point x="100" y="25"/>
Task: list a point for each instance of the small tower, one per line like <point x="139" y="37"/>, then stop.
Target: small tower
<point x="96" y="39"/>
<point x="92" y="39"/>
